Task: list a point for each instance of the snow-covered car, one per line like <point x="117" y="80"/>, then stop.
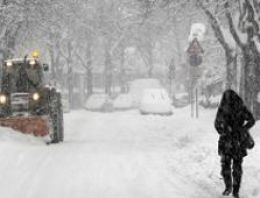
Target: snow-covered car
<point x="180" y="100"/>
<point x="123" y="102"/>
<point x="155" y="101"/>
<point x="99" y="102"/>
<point x="65" y="103"/>
<point x="210" y="102"/>
<point x="137" y="87"/>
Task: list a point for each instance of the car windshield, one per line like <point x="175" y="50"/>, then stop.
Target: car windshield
<point x="21" y="77"/>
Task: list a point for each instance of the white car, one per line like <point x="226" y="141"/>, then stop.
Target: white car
<point x="155" y="101"/>
<point x="123" y="102"/>
<point x="99" y="102"/>
<point x="137" y="87"/>
<point x="65" y="103"/>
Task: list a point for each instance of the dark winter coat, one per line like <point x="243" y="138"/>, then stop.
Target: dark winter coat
<point x="233" y="122"/>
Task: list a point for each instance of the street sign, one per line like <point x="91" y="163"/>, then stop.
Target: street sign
<point x="195" y="47"/>
<point x="194" y="51"/>
<point x="195" y="60"/>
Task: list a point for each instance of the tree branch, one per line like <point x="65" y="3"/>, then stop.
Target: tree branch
<point x="215" y="26"/>
<point x="251" y="9"/>
<point x="232" y="27"/>
<point x="86" y="66"/>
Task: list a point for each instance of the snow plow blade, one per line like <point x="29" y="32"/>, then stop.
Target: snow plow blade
<point x="32" y="125"/>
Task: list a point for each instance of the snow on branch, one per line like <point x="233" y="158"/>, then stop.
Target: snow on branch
<point x="215" y="26"/>
<point x="232" y="26"/>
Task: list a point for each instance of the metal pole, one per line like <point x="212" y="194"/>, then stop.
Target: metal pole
<point x="192" y="102"/>
<point x="191" y="94"/>
<point x="197" y="104"/>
<point x="170" y="87"/>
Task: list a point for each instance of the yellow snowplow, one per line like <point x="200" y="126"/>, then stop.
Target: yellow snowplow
<point x="27" y="104"/>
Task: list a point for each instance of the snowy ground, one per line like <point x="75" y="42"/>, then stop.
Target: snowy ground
<point x="122" y="155"/>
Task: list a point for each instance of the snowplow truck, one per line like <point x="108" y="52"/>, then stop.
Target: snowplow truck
<point x="27" y="104"/>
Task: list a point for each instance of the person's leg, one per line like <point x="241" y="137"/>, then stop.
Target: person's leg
<point x="226" y="173"/>
<point x="237" y="174"/>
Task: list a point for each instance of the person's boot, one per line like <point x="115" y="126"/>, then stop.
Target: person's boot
<point x="237" y="174"/>
<point x="235" y="194"/>
<point x="226" y="173"/>
<point x="227" y="191"/>
<point x="236" y="186"/>
<point x="228" y="184"/>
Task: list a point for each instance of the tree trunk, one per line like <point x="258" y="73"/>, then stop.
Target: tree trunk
<point x="242" y="78"/>
<point x="70" y="74"/>
<point x="89" y="82"/>
<point x="228" y="72"/>
<point x="235" y="73"/>
<point x="249" y="73"/>
<point x="171" y="77"/>
<point x="89" y="67"/>
<point x="150" y="62"/>
<point x="231" y="70"/>
<point x="257" y="98"/>
<point x="10" y="37"/>
<point x="53" y="64"/>
<point x="108" y="69"/>
<point x="122" y="77"/>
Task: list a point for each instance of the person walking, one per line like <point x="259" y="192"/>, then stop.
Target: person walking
<point x="233" y="121"/>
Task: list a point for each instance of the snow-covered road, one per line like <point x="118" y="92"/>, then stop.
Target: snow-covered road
<point x="122" y="154"/>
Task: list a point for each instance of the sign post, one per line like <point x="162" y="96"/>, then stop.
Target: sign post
<point x="194" y="52"/>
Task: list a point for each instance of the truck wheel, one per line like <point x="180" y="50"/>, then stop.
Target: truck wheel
<point x="56" y="118"/>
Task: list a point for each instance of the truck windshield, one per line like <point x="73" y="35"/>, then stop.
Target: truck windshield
<point x="21" y="77"/>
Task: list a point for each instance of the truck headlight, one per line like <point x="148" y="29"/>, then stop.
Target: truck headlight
<point x="32" y="62"/>
<point x="3" y="99"/>
<point x="36" y="96"/>
<point x="9" y="64"/>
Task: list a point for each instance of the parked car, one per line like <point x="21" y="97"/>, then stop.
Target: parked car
<point x="210" y="102"/>
<point x="155" y="101"/>
<point x="65" y="103"/>
<point x="181" y="100"/>
<point x="99" y="102"/>
<point x="123" y="102"/>
<point x="137" y="87"/>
